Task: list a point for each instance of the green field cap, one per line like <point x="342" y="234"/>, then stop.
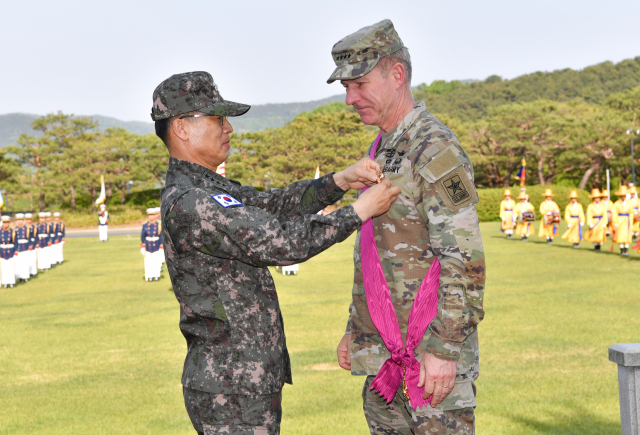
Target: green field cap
<point x="357" y="54"/>
<point x="190" y="92"/>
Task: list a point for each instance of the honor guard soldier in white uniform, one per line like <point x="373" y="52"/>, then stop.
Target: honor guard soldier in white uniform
<point x="7" y="253"/>
<point x="52" y="235"/>
<point x="22" y="248"/>
<point x="161" y="254"/>
<point x="59" y="231"/>
<point x="33" y="240"/>
<point x="43" y="243"/>
<point x="150" y="247"/>
<point x="103" y="223"/>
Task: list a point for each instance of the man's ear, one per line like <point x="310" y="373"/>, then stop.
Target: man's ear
<point x="180" y="128"/>
<point x="397" y="73"/>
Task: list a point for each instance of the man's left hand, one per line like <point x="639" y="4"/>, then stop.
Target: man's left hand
<point x="362" y="173"/>
<point x="438" y="377"/>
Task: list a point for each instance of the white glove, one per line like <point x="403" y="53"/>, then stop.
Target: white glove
<point x="581" y="224"/>
<point x="568" y="227"/>
<point x="143" y="251"/>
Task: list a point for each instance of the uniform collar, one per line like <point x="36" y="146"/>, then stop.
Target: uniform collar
<point x="390" y="138"/>
<point x="194" y="170"/>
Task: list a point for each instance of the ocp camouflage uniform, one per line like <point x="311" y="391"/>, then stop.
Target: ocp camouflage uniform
<point x="219" y="239"/>
<point x="434" y="216"/>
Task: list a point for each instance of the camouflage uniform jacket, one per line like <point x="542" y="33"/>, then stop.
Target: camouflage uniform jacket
<point x="217" y="255"/>
<point x="434" y="215"/>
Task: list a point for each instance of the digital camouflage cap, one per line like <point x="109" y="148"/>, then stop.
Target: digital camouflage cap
<point x="190" y="92"/>
<point x="357" y="54"/>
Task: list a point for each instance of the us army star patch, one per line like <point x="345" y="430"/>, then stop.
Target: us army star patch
<point x="455" y="189"/>
<point x="226" y="200"/>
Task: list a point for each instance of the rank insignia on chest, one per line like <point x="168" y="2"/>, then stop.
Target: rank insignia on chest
<point x="226" y="200"/>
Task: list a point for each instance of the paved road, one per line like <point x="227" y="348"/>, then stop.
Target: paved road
<point x="71" y="234"/>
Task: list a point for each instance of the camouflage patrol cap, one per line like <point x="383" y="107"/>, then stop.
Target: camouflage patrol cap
<point x="357" y="54"/>
<point x="190" y="92"/>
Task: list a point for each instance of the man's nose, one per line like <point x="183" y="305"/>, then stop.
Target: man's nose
<point x="352" y="97"/>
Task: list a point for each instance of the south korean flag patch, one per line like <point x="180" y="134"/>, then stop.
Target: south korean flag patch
<point x="226" y="200"/>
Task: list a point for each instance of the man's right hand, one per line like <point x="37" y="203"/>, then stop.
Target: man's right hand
<point x="376" y="200"/>
<point x="344" y="352"/>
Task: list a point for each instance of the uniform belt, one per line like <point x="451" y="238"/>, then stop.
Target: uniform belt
<point x="598" y="216"/>
<point x="575" y="217"/>
<point x="59" y="234"/>
<point x="6" y="246"/>
<point x="508" y="209"/>
<point x="23" y="241"/>
<point x="623" y="214"/>
<point x="42" y="236"/>
<point x="153" y="239"/>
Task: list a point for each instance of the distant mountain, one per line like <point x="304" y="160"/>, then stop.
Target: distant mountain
<point x="260" y="117"/>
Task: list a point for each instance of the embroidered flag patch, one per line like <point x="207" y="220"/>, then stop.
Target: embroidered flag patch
<point x="226" y="200"/>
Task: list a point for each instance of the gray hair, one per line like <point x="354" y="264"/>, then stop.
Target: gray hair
<point x="402" y="57"/>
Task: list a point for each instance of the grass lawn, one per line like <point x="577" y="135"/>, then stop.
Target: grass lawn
<point x="90" y="348"/>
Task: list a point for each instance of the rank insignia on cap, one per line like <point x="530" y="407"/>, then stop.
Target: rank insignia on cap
<point x="226" y="200"/>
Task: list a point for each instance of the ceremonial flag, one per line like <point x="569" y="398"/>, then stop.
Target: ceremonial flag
<point x="317" y="172"/>
<point x="522" y="173"/>
<point x="1" y="199"/>
<point x="103" y="193"/>
<point x="221" y="170"/>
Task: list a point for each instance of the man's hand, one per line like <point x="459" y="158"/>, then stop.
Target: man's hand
<point x="376" y="200"/>
<point x="344" y="352"/>
<point x="362" y="173"/>
<point x="438" y="377"/>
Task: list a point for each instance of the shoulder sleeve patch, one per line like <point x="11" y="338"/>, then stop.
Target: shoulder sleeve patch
<point x="456" y="190"/>
<point x="226" y="200"/>
<point x="443" y="163"/>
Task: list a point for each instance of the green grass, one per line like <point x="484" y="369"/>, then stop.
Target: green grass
<point x="90" y="348"/>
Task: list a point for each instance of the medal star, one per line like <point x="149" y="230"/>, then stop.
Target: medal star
<point x="454" y="186"/>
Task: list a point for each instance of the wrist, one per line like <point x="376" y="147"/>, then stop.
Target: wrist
<point x="341" y="181"/>
<point x="361" y="210"/>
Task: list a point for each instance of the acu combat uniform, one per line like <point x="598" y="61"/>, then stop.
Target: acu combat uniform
<point x="219" y="237"/>
<point x="433" y="217"/>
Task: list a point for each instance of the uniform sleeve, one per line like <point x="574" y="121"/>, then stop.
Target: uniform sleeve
<point x="567" y="214"/>
<point x="251" y="234"/>
<point x="143" y="235"/>
<point x="297" y="199"/>
<point x="447" y="203"/>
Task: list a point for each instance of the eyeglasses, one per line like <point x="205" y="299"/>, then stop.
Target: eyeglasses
<point x="222" y="118"/>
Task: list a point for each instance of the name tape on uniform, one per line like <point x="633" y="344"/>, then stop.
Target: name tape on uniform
<point x="226" y="200"/>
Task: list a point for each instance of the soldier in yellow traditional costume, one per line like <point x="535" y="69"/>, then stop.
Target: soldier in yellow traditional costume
<point x="574" y="216"/>
<point x="508" y="214"/>
<point x="622" y="219"/>
<point x="597" y="220"/>
<point x="524" y="227"/>
<point x="608" y="205"/>
<point x="635" y="223"/>
<point x="548" y="208"/>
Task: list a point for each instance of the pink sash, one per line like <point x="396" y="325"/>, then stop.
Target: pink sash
<point x="402" y="366"/>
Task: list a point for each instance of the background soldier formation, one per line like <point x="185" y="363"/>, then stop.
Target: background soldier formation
<point x="27" y="247"/>
<point x="620" y="220"/>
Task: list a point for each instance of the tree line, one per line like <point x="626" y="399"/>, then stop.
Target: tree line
<point x="65" y="161"/>
<point x="570" y="126"/>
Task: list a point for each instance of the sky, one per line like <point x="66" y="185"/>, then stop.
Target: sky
<point x="88" y="57"/>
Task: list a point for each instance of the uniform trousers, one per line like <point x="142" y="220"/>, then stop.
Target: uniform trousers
<point x="8" y="268"/>
<point x="22" y="265"/>
<point x="398" y="418"/>
<point x="44" y="261"/>
<point x="152" y="265"/>
<point x="33" y="262"/>
<point x="234" y="414"/>
<point x="102" y="232"/>
<point x="56" y="249"/>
